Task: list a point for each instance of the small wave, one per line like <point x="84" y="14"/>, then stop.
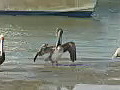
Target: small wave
<point x="114" y="79"/>
<point x="11" y="62"/>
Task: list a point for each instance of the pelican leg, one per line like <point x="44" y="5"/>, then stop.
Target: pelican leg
<point x="56" y="63"/>
<point x="53" y="62"/>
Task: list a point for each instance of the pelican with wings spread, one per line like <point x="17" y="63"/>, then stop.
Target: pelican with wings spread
<point x="56" y="51"/>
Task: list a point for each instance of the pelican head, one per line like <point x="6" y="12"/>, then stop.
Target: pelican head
<point x="2" y="37"/>
<point x="59" y="32"/>
<point x="59" y="35"/>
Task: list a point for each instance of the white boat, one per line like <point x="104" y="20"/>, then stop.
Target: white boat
<point x="76" y="8"/>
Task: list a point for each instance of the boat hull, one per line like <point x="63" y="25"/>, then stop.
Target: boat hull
<point x="48" y="13"/>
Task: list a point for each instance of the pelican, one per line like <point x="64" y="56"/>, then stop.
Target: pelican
<point x="56" y="51"/>
<point x="2" y="53"/>
<point x="117" y="53"/>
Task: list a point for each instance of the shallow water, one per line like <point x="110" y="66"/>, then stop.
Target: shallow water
<point x="96" y="40"/>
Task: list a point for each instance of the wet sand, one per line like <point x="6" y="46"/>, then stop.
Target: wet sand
<point x="47" y="77"/>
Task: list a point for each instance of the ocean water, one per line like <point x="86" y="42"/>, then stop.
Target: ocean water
<point x="96" y="40"/>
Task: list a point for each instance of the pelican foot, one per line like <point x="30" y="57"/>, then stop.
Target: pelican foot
<point x="55" y="63"/>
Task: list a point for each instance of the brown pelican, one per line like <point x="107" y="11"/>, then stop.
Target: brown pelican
<point x="2" y="53"/>
<point x="117" y="53"/>
<point x="55" y="52"/>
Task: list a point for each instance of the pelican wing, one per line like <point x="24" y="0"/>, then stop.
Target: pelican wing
<point x="71" y="48"/>
<point x="48" y="49"/>
<point x="36" y="56"/>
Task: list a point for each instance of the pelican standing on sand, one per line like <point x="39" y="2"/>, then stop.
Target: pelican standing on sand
<point x="55" y="52"/>
<point x="2" y="53"/>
